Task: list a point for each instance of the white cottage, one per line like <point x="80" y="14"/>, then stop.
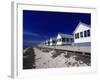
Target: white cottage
<point x="64" y="39"/>
<point x="53" y="41"/>
<point x="47" y="42"/>
<point x="82" y="35"/>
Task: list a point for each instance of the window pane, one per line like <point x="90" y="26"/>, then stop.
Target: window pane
<point x="81" y="34"/>
<point x="63" y="39"/>
<point x="85" y="34"/>
<point x="72" y="40"/>
<point x="67" y="39"/>
<point x="48" y="42"/>
<point x="88" y="32"/>
<point x="53" y="41"/>
<point x="77" y="35"/>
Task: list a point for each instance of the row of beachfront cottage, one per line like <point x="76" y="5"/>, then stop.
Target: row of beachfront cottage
<point x="80" y="37"/>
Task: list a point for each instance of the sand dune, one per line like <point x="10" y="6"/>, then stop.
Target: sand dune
<point x="54" y="58"/>
<point x="49" y="58"/>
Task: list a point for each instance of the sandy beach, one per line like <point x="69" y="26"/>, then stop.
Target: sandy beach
<point x="50" y="58"/>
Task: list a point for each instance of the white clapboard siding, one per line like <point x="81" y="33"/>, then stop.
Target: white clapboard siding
<point x="60" y="35"/>
<point x="81" y="27"/>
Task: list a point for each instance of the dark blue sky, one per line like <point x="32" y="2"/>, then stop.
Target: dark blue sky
<point x="41" y="25"/>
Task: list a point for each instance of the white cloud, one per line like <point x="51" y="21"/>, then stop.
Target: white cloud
<point x="31" y="41"/>
<point x="32" y="34"/>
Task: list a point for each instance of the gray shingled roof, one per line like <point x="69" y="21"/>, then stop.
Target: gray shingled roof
<point x="66" y="35"/>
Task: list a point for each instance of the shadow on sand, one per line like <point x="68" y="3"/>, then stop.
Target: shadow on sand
<point x="29" y="59"/>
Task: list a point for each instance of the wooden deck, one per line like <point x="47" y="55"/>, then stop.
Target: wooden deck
<point x="70" y="48"/>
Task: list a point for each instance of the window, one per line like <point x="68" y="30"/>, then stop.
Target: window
<point x="81" y="34"/>
<point x="87" y="33"/>
<point x="48" y="42"/>
<point x="67" y="39"/>
<point x="72" y="40"/>
<point x="63" y="39"/>
<point x="76" y="35"/>
<point x="53" y="41"/>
